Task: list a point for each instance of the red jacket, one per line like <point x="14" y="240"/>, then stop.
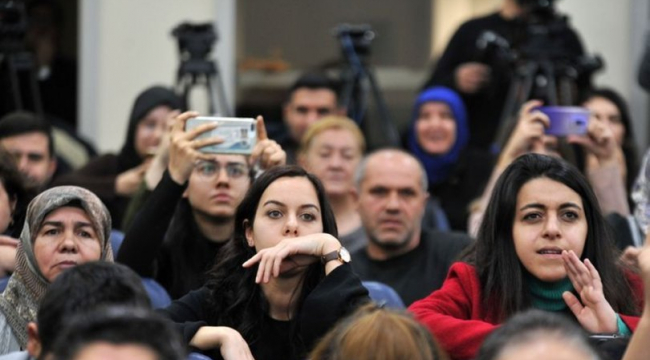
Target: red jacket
<point x="455" y="316"/>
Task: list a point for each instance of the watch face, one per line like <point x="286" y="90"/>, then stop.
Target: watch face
<point x="345" y="255"/>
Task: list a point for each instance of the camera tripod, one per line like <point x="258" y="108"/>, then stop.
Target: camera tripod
<point x="358" y="82"/>
<point x="535" y="79"/>
<point x="18" y="69"/>
<point x="202" y="72"/>
<point x="195" y="42"/>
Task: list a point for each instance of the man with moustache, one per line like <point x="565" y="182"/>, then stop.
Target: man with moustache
<point x="391" y="199"/>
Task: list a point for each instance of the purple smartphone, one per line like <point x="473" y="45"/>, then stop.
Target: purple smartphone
<point x="566" y="120"/>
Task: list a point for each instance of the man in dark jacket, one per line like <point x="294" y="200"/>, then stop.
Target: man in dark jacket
<point x="392" y="194"/>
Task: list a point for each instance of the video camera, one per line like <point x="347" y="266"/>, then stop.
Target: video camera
<point x="361" y="37"/>
<point x="195" y="41"/>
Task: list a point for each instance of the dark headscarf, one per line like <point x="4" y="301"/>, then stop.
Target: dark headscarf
<point x="19" y="302"/>
<point x="145" y="102"/>
<point x="438" y="167"/>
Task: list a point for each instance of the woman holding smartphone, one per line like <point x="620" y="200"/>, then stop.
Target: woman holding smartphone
<point x="529" y="136"/>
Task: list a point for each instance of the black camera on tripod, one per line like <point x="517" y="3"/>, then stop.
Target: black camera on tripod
<point x="540" y="37"/>
<point x="542" y="60"/>
<point x="359" y="37"/>
<point x="195" y="41"/>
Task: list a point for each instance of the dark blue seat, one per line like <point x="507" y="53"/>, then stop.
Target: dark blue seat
<point x="383" y="294"/>
<point x="116" y="241"/>
<point x="197" y="356"/>
<point x="157" y="294"/>
<point x="3" y="283"/>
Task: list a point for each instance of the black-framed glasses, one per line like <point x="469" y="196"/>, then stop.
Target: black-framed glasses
<point x="211" y="168"/>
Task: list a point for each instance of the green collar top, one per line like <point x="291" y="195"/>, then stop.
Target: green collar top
<point x="548" y="295"/>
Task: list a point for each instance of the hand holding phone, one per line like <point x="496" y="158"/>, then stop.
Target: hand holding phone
<point x="566" y="120"/>
<point x="239" y="134"/>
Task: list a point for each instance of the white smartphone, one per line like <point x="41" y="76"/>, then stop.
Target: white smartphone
<point x="239" y="134"/>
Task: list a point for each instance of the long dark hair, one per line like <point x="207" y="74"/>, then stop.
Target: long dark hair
<point x="236" y="301"/>
<point x="182" y="240"/>
<point x="501" y="274"/>
<point x="630" y="150"/>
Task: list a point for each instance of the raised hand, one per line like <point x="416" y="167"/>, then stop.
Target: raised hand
<point x="600" y="142"/>
<point x="128" y="182"/>
<point x="291" y="253"/>
<point x="528" y="134"/>
<point x="160" y="160"/>
<point x="592" y="309"/>
<point x="267" y="151"/>
<point x="643" y="261"/>
<point x="183" y="146"/>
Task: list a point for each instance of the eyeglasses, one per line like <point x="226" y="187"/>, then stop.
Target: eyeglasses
<point x="210" y="168"/>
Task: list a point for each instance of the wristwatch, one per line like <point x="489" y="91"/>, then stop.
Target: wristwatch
<point x="342" y="255"/>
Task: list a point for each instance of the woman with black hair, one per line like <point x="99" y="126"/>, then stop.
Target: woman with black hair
<point x="598" y="144"/>
<point x="283" y="280"/>
<point x="543" y="244"/>
<point x="115" y="178"/>
<point x="608" y="106"/>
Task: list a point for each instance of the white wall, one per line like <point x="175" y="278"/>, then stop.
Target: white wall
<point x="127" y="46"/>
<point x="448" y="15"/>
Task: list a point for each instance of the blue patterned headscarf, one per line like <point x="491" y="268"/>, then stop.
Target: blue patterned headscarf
<point x="439" y="167"/>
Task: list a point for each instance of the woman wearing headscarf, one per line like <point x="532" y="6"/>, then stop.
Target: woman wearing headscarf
<point x="438" y="136"/>
<point x="115" y="178"/>
<point x="64" y="226"/>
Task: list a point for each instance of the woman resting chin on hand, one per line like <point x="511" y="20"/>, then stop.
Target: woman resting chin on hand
<point x="282" y="282"/>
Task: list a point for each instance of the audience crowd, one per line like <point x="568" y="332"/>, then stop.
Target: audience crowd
<point x="456" y="245"/>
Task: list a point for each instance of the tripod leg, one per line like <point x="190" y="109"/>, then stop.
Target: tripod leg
<point x="220" y="90"/>
<point x="15" y="83"/>
<point x="551" y="85"/>
<point x="35" y="92"/>
<point x="518" y="93"/>
<point x="384" y="115"/>
<point x="567" y="91"/>
<point x="349" y="79"/>
<point x="212" y="102"/>
<point x="185" y="84"/>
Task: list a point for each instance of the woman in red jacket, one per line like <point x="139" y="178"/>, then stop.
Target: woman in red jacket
<point x="539" y="245"/>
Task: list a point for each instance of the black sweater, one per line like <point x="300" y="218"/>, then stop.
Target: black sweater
<point x="178" y="264"/>
<point x="417" y="273"/>
<point x="336" y="296"/>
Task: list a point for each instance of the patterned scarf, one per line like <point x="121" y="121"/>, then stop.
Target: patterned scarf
<point x="27" y="285"/>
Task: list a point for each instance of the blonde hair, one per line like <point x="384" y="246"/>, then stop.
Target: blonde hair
<point x="377" y="333"/>
<point x="332" y="122"/>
